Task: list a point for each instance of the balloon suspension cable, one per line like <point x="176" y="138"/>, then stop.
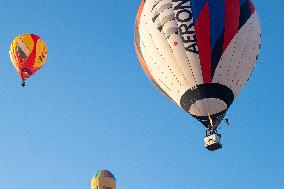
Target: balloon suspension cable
<point x="23" y="83"/>
<point x="211" y="129"/>
<point x="211" y="126"/>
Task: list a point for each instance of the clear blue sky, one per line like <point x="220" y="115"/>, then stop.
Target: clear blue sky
<point x="92" y="107"/>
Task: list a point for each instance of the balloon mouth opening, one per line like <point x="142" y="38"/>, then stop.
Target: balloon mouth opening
<point x="207" y="98"/>
<point x="200" y="107"/>
<point x="206" y="91"/>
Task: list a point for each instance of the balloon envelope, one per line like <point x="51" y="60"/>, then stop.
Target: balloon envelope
<point x="28" y="53"/>
<point x="199" y="53"/>
<point x="103" y="179"/>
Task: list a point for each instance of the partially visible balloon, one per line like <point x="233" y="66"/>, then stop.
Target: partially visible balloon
<point x="103" y="179"/>
<point x="199" y="53"/>
<point x="28" y="53"/>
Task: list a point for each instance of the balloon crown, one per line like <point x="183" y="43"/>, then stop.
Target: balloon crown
<point x="104" y="173"/>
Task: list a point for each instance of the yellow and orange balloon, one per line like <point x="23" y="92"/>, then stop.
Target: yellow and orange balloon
<point x="103" y="179"/>
<point x="28" y="53"/>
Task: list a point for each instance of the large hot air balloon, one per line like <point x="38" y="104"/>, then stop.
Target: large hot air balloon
<point x="28" y="53"/>
<point x="199" y="53"/>
<point x="103" y="179"/>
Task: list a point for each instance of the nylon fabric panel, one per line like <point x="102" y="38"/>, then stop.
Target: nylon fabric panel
<point x="245" y="13"/>
<point x="166" y="90"/>
<point x="197" y="7"/>
<point x="152" y="59"/>
<point x="162" y="65"/>
<point x="14" y="61"/>
<point x="102" y="182"/>
<point x="251" y="6"/>
<point x="179" y="54"/>
<point x="29" y="62"/>
<point x="217" y="24"/>
<point x="202" y="28"/>
<point x="250" y="54"/>
<point x="192" y="64"/>
<point x="28" y="41"/>
<point x="216" y="54"/>
<point x="14" y="58"/>
<point x="239" y="58"/>
<point x="247" y="59"/>
<point x="178" y="50"/>
<point x="17" y="61"/>
<point x="41" y="53"/>
<point x="230" y="59"/>
<point x="232" y="14"/>
<point x="151" y="65"/>
<point x="217" y="20"/>
<point x="24" y="48"/>
<point x="242" y="62"/>
<point x="242" y="2"/>
<point x="170" y="62"/>
<point x="137" y="47"/>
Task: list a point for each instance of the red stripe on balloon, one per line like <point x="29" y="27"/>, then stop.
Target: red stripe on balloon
<point x="202" y="29"/>
<point x="251" y="7"/>
<point x="29" y="63"/>
<point x="232" y="14"/>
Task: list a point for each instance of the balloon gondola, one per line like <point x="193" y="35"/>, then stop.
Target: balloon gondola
<point x="199" y="53"/>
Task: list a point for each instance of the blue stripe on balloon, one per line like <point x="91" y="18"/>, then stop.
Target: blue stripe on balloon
<point x="245" y="13"/>
<point x="217" y="20"/>
<point x="242" y="2"/>
<point x="197" y="6"/>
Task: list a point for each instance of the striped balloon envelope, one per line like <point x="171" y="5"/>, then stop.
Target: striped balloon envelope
<point x="199" y="53"/>
<point x="28" y="53"/>
<point x="103" y="179"/>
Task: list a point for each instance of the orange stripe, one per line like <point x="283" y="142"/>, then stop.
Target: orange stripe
<point x="140" y="58"/>
<point x="148" y="73"/>
<point x="138" y="16"/>
<point x="143" y="64"/>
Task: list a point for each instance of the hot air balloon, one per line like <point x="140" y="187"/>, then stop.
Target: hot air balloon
<point x="103" y="179"/>
<point x="28" y="53"/>
<point x="199" y="53"/>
